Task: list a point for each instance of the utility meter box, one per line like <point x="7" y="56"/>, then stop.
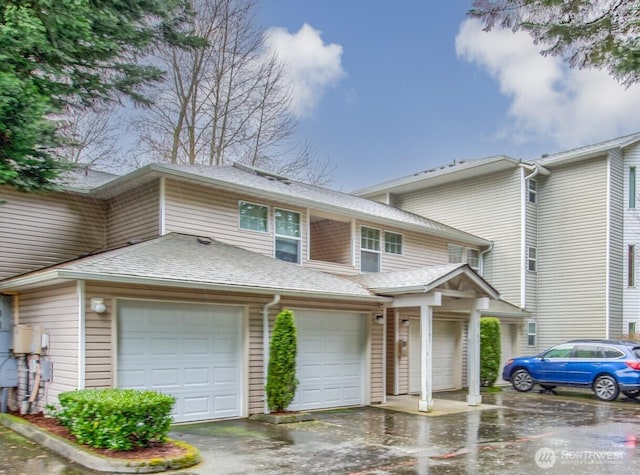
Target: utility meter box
<point x="27" y="340"/>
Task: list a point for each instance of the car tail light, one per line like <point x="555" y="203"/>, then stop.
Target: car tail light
<point x="634" y="365"/>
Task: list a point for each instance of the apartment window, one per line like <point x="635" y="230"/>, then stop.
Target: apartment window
<point x="253" y="217"/>
<point x="631" y="265"/>
<point x="531" y="334"/>
<point x="287" y="230"/>
<point x="533" y="191"/>
<point x="632" y="328"/>
<point x="473" y="258"/>
<point x="459" y="254"/>
<point x="632" y="187"/>
<point x="369" y="249"/>
<point x="455" y="254"/>
<point x="532" y="259"/>
<point x="392" y="243"/>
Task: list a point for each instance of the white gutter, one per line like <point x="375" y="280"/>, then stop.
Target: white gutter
<point x="81" y="334"/>
<point x="265" y="344"/>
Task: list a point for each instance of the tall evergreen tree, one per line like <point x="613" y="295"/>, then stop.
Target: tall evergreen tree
<point x="56" y="54"/>
<point x="281" y="374"/>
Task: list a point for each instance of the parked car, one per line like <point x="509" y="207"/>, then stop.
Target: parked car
<point x="606" y="366"/>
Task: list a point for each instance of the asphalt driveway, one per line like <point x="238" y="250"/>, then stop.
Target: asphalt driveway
<point x="526" y="433"/>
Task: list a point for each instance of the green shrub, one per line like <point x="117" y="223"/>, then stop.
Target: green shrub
<point x="489" y="350"/>
<point x="281" y="375"/>
<point x="116" y="419"/>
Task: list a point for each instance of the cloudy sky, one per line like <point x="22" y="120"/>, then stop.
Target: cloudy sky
<point x="389" y="89"/>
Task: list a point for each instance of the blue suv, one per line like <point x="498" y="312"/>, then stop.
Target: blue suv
<point x="605" y="366"/>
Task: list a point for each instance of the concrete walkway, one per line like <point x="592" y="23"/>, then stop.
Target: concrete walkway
<point x="409" y="404"/>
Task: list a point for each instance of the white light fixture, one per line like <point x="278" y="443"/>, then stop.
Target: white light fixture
<point x="379" y="319"/>
<point x="404" y="322"/>
<point x="98" y="306"/>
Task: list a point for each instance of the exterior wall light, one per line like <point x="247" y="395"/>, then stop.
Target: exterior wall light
<point x="98" y="306"/>
<point x="380" y="319"/>
<point x="405" y="322"/>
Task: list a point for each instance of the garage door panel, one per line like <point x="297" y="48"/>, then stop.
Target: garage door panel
<point x="192" y="352"/>
<point x="330" y="363"/>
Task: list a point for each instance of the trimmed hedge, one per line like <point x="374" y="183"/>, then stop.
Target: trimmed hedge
<point x="281" y="374"/>
<point x="489" y="350"/>
<point x="116" y="419"/>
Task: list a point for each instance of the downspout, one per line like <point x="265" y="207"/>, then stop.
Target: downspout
<point x="265" y="344"/>
<point x="486" y="251"/>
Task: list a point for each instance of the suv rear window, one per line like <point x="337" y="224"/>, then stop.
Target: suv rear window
<point x="611" y="352"/>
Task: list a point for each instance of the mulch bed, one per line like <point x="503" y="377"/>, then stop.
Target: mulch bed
<point x="157" y="450"/>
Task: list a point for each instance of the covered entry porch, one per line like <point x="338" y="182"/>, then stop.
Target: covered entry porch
<point x="432" y="330"/>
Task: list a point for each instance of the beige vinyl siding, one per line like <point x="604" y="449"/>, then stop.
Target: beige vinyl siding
<point x="195" y="209"/>
<point x="392" y="342"/>
<point x="376" y="380"/>
<point x="572" y="253"/>
<point x="616" y="244"/>
<point x="134" y="215"/>
<point x="101" y="340"/>
<point x="487" y="206"/>
<point x="331" y="241"/>
<point x="37" y="231"/>
<point x="418" y="249"/>
<point x="56" y="310"/>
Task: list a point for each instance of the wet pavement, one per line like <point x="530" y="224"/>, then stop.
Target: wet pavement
<point x="527" y="433"/>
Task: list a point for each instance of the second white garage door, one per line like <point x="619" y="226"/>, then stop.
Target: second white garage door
<point x="190" y="351"/>
<point x="330" y="363"/>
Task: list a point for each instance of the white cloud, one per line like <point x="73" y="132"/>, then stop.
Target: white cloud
<point x="311" y="65"/>
<point x="549" y="101"/>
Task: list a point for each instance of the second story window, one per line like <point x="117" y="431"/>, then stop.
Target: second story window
<point x="631" y="265"/>
<point x="392" y="243"/>
<point x="632" y="187"/>
<point x="532" y="259"/>
<point x="287" y="231"/>
<point x="369" y="250"/>
<point x="459" y="255"/>
<point x="455" y="254"/>
<point x="533" y="191"/>
<point x="473" y="258"/>
<point x="253" y="217"/>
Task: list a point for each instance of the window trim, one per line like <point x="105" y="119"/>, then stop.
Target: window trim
<point x="532" y="191"/>
<point x="531" y="334"/>
<point x="286" y="236"/>
<point x="632" y="187"/>
<point x="532" y="260"/>
<point x="378" y="251"/>
<point x="464" y="255"/>
<point x="401" y="253"/>
<point x="240" y="203"/>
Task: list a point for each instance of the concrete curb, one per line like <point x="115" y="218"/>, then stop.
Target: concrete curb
<point x="100" y="463"/>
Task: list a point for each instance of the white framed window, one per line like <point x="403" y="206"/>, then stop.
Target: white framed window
<point x="632" y="187"/>
<point x="455" y="254"/>
<point x="369" y="249"/>
<point x="532" y="191"/>
<point x="288" y="235"/>
<point x="532" y="259"/>
<point x="392" y="243"/>
<point x="531" y="333"/>
<point x="253" y="217"/>
<point x="459" y="255"/>
<point x="631" y="265"/>
<point x="473" y="258"/>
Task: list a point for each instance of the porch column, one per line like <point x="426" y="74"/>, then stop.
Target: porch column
<point x="425" y="404"/>
<point x="473" y="352"/>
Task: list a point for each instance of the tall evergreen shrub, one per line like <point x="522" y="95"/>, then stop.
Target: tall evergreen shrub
<point x="489" y="350"/>
<point x="281" y="374"/>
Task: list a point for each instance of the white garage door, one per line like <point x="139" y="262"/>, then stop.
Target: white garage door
<point x="330" y="362"/>
<point x="446" y="359"/>
<point x="190" y="351"/>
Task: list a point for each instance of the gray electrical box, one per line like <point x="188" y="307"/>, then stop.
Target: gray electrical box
<point x="8" y="366"/>
<point x="6" y="317"/>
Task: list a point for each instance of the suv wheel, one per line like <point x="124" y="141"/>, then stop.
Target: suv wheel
<point x="521" y="380"/>
<point x="606" y="388"/>
<point x="632" y="394"/>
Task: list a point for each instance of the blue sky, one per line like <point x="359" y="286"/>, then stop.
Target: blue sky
<point x="388" y="89"/>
